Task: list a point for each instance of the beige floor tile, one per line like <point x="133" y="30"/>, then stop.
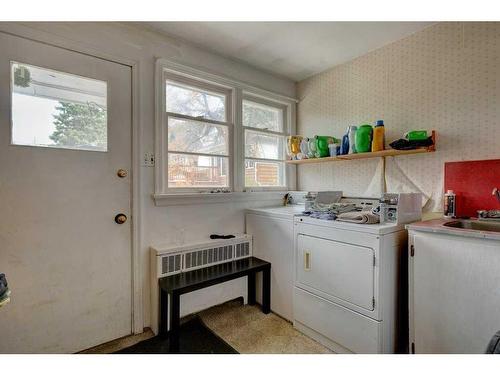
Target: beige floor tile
<point x="248" y="330"/>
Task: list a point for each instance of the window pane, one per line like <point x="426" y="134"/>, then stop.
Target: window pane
<point x="264" y="146"/>
<point x="256" y="115"/>
<point x="260" y="173"/>
<point x="195" y="136"/>
<point x="197" y="171"/>
<point x="55" y="109"/>
<point x="194" y="102"/>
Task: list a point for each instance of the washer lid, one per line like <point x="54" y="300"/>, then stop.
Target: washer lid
<point x="285" y="212"/>
<point x="366" y="228"/>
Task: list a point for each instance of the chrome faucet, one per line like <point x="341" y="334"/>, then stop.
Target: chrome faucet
<point x="491" y="214"/>
<point x="496" y="193"/>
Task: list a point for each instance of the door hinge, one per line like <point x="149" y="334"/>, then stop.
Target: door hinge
<point x="412" y="348"/>
<point x="412" y="250"/>
<point x="373" y="302"/>
<point x="374" y="261"/>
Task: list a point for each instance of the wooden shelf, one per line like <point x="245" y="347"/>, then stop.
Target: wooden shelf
<point x="363" y="155"/>
<point x="369" y="155"/>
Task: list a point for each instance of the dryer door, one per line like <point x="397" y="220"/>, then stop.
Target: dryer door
<point x="336" y="269"/>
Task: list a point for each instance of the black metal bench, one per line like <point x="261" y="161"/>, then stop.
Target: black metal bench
<point x="181" y="283"/>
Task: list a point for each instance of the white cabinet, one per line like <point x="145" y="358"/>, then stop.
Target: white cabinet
<point x="454" y="292"/>
<point x="273" y="242"/>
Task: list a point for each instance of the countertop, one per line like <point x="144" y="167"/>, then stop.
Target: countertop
<point x="436" y="226"/>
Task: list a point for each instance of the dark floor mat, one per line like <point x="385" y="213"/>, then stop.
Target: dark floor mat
<point x="194" y="338"/>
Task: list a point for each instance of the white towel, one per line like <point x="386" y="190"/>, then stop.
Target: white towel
<point x="362" y="217"/>
<point x="335" y="208"/>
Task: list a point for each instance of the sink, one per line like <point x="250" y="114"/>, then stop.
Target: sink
<point x="474" y="225"/>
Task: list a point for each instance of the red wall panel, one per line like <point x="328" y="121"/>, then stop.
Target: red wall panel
<point x="473" y="182"/>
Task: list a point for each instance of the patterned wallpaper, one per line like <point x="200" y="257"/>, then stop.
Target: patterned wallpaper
<point x="445" y="77"/>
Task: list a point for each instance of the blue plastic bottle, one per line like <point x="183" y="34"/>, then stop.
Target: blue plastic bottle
<point x="344" y="147"/>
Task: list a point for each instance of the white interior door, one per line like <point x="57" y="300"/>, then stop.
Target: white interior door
<point x="67" y="261"/>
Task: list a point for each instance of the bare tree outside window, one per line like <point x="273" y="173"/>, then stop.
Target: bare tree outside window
<point x="195" y="135"/>
<point x="263" y="144"/>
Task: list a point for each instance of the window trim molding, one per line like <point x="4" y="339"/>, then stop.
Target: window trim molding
<point x="238" y="90"/>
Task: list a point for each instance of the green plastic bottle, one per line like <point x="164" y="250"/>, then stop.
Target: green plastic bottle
<point x="364" y="138"/>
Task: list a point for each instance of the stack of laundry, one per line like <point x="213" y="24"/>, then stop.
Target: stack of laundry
<point x="329" y="211"/>
<point x="4" y="290"/>
<point x="361" y="217"/>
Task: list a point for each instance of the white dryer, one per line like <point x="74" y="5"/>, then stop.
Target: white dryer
<point x="350" y="285"/>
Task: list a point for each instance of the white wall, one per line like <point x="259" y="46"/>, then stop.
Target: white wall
<point x="444" y="77"/>
<point x="160" y="224"/>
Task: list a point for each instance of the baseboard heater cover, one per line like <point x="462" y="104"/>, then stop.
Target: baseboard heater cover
<point x="168" y="260"/>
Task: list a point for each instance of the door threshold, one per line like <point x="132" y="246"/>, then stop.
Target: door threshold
<point x="119" y="344"/>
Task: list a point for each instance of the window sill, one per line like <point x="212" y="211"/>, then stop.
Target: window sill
<point x="208" y="198"/>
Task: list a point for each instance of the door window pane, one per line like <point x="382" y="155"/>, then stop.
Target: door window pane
<point x="195" y="102"/>
<point x="56" y="109"/>
<point x="198" y="137"/>
<point x="263" y="146"/>
<point x="263" y="173"/>
<point x="197" y="171"/>
<point x="260" y="116"/>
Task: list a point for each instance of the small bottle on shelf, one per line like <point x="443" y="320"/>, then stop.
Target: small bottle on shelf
<point x="378" y="136"/>
<point x="450" y="205"/>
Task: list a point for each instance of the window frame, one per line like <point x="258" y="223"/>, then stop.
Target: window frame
<point x="285" y="131"/>
<point x="63" y="72"/>
<point x="210" y="88"/>
<point x="236" y="91"/>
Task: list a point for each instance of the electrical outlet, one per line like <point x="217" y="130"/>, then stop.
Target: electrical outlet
<point x="148" y="159"/>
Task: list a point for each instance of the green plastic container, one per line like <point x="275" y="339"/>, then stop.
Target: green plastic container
<point x="416" y="135"/>
<point x="364" y="138"/>
<point x="322" y="142"/>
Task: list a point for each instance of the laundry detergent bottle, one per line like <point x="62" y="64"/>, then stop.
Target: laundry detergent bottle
<point x="352" y="138"/>
<point x="322" y="142"/>
<point x="304" y="148"/>
<point x="364" y="138"/>
<point x="312" y="148"/>
<point x="293" y="145"/>
<point x="378" y="136"/>
<point x="344" y="146"/>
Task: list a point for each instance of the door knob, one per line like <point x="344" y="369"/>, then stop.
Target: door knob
<point x="121" y="173"/>
<point x="120" y="218"/>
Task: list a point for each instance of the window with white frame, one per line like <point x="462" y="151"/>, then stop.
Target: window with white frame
<point x="215" y="134"/>
<point x="198" y="127"/>
<point x="264" y="128"/>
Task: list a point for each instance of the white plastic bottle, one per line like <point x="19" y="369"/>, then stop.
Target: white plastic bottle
<point x="450" y="205"/>
<point x="352" y="138"/>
